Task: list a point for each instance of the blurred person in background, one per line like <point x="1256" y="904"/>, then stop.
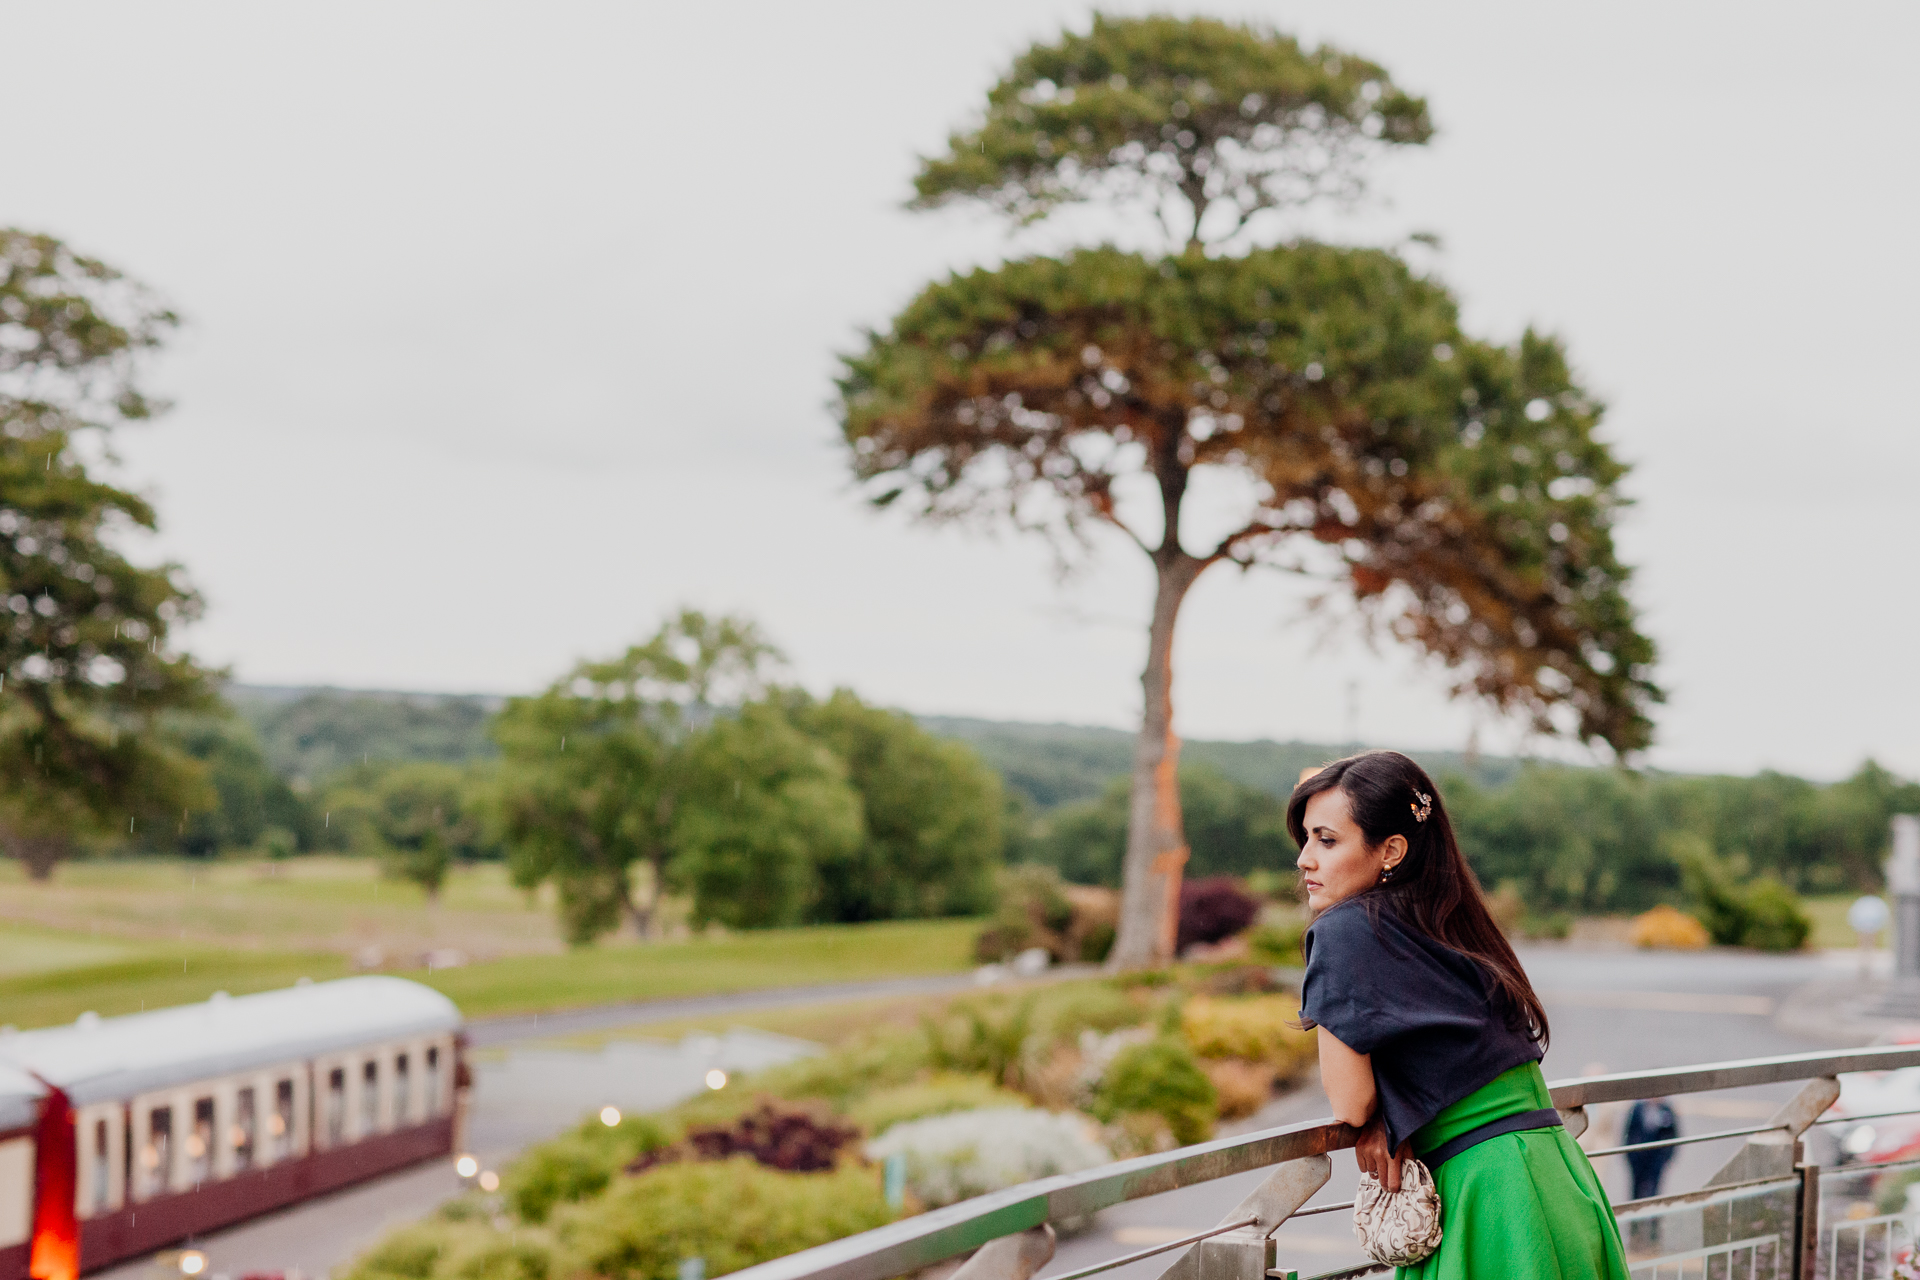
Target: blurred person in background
<point x="1651" y="1120"/>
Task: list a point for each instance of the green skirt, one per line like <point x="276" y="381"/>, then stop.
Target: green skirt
<point x="1522" y="1206"/>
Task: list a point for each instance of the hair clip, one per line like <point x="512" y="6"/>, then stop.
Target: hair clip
<point x="1423" y="805"/>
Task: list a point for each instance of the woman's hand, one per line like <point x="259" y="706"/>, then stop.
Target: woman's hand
<point x="1374" y="1156"/>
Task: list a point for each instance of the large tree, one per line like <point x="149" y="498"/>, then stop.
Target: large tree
<point x="1451" y="491"/>
<point x="85" y="666"/>
<point x="596" y="769"/>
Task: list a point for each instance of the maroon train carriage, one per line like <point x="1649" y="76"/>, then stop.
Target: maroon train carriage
<point x="121" y="1135"/>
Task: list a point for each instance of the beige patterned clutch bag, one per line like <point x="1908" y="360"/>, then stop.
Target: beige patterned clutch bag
<point x="1398" y="1228"/>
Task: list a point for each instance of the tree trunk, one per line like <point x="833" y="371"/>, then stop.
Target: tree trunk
<point x="1156" y="841"/>
<point x="39" y="854"/>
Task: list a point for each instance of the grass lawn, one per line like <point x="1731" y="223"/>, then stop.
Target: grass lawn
<point x="54" y="975"/>
<point x="302" y="904"/>
<point x="1830" y="927"/>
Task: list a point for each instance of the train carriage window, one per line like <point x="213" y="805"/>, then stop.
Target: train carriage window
<point x="200" y="1142"/>
<point x="241" y="1135"/>
<point x="433" y="1082"/>
<point x="102" y="1168"/>
<point x="280" y="1123"/>
<point x="157" y="1156"/>
<point x="370" y="1096"/>
<point x="402" y="1089"/>
<point x="336" y="1106"/>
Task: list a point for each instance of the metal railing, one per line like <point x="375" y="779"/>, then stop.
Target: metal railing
<point x="1766" y="1182"/>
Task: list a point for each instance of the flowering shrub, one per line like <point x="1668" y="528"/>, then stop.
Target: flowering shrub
<point x="940" y="1094"/>
<point x="970" y="1153"/>
<point x="1254" y="1028"/>
<point x="1669" y="929"/>
<point x="1212" y="909"/>
<point x="775" y="1134"/>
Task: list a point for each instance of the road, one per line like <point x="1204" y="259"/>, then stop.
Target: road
<point x="1611" y="1010"/>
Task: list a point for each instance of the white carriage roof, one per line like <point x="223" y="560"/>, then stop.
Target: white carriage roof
<point x="95" y="1059"/>
<point x="20" y="1096"/>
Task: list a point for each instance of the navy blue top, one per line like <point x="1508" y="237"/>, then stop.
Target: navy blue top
<point x="1423" y="1010"/>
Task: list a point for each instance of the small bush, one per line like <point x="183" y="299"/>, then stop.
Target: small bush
<point x="447" y="1251"/>
<point x="734" y="1213"/>
<point x="576" y="1165"/>
<point x="1281" y="942"/>
<point x="1775" y="919"/>
<point x="1670" y="929"/>
<point x="1213" y="909"/>
<point x="1242" y="1087"/>
<point x="1555" y="925"/>
<point x="1032" y="911"/>
<point x="1163" y="1078"/>
<point x="992" y="1043"/>
<point x="970" y="1153"/>
<point x="1763" y="914"/>
<point x="940" y="1094"/>
<point x="1507" y="908"/>
<point x="779" y="1135"/>
<point x="1253" y="1029"/>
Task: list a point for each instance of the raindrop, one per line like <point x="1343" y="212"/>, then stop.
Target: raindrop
<point x="563" y="742"/>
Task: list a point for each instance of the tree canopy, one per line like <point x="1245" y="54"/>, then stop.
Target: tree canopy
<point x="1206" y="123"/>
<point x="764" y="805"/>
<point x="1453" y="489"/>
<point x="84" y="664"/>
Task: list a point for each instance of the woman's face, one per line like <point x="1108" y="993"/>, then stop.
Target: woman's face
<point x="1336" y="862"/>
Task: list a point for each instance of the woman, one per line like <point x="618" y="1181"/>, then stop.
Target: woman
<point x="1430" y="1034"/>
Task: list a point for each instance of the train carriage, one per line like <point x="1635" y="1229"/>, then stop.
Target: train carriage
<point x="136" y="1132"/>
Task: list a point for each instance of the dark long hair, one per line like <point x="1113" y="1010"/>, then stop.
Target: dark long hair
<point x="1433" y="891"/>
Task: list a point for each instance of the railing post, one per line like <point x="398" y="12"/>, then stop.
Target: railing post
<point x="1775" y="1154"/>
<point x="1806" y="1254"/>
<point x="1248" y="1253"/>
<point x="1014" y="1257"/>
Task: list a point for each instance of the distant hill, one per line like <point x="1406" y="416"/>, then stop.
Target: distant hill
<point x="308" y="732"/>
<point x="1054" y="764"/>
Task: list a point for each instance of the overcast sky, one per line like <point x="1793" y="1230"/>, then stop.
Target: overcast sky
<point x="513" y="326"/>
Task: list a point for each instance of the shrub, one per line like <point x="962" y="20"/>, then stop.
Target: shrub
<point x="1242" y="1087"/>
<point x="1032" y="911"/>
<point x="1279" y="942"/>
<point x="970" y="1153"/>
<point x="576" y="1165"/>
<point x="779" y="1135"/>
<point x="1161" y="1077"/>
<point x="1094" y="923"/>
<point x="1253" y="1029"/>
<point x="1668" y="928"/>
<point x="940" y="1094"/>
<point x="1764" y="914"/>
<point x="1213" y="909"/>
<point x="993" y="1043"/>
<point x="734" y="1213"/>
<point x="1775" y="919"/>
<point x="442" y="1250"/>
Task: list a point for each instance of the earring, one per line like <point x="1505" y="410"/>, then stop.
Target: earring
<point x="1386" y="874"/>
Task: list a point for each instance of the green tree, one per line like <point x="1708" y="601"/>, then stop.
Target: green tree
<point x="1207" y="123"/>
<point x="416" y="817"/>
<point x="934" y="813"/>
<point x="85" y="666"/>
<point x="763" y="808"/>
<point x="595" y="768"/>
<point x="252" y="807"/>
<point x="1452" y="492"/>
<point x="1234" y="830"/>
